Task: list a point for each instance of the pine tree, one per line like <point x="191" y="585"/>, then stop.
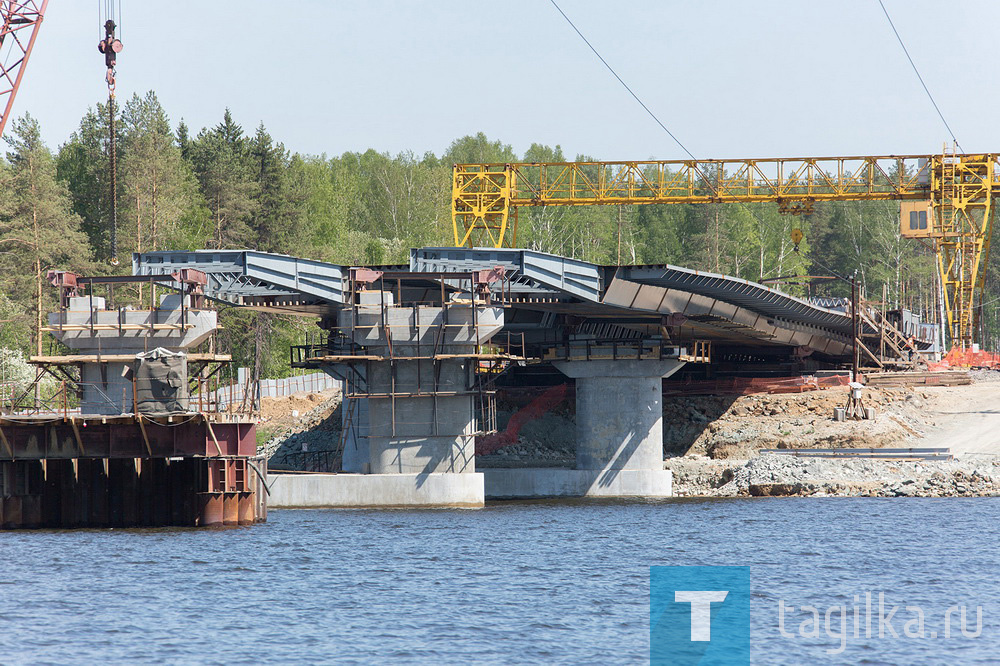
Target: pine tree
<point x="38" y="230"/>
<point x="278" y="219"/>
<point x="160" y="188"/>
<point x="83" y="165"/>
<point x="222" y="163"/>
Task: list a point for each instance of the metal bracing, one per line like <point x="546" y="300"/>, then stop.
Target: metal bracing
<point x="962" y="196"/>
<point x="19" y="23"/>
<point x="960" y="188"/>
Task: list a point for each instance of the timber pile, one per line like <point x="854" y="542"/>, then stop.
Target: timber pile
<point x="943" y="378"/>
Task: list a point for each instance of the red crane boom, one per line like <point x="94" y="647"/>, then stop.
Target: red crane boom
<point x="20" y="22"/>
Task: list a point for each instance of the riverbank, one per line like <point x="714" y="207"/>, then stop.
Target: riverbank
<point x="964" y="419"/>
<point x="712" y="443"/>
<point x="776" y="475"/>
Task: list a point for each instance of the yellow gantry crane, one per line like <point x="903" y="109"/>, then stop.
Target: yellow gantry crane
<point x="946" y="199"/>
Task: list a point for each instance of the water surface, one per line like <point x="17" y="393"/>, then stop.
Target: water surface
<point x="517" y="582"/>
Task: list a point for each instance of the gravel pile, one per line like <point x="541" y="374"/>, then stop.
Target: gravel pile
<point x="772" y="475"/>
<point x="548" y="441"/>
<point x="982" y="376"/>
<point x="319" y="430"/>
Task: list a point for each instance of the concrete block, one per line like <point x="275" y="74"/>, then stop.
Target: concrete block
<point x="375" y="490"/>
<point x="86" y="303"/>
<point x="560" y="482"/>
<point x="838" y="414"/>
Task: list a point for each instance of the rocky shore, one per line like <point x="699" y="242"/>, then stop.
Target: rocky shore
<point x="771" y="475"/>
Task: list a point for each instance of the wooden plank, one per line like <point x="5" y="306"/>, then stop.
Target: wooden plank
<point x="76" y="431"/>
<point x="3" y="438"/>
<point x="211" y="431"/>
<point x="874" y="456"/>
<point x="944" y="378"/>
<point x="852" y="451"/>
<point x="73" y="328"/>
<point x="905" y="427"/>
<point x="118" y="358"/>
<point x="145" y="437"/>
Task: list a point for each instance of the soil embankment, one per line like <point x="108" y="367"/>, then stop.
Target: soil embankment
<point x="723" y="461"/>
<point x="298" y="424"/>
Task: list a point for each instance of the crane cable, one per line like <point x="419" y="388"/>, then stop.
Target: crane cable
<point x="652" y="115"/>
<point x="625" y="85"/>
<point x="920" y="78"/>
<point x="111" y="46"/>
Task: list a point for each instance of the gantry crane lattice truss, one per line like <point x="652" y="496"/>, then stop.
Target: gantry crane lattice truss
<point x="954" y="191"/>
<point x="19" y="22"/>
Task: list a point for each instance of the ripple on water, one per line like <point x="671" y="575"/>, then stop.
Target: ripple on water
<point x="553" y="582"/>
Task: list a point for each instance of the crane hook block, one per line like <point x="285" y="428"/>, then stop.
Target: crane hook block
<point x="110" y="46"/>
<point x="116" y="46"/>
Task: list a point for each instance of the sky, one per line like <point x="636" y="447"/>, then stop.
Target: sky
<point x="730" y="78"/>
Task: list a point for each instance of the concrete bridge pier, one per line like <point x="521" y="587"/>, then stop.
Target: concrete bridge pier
<point x="90" y="329"/>
<point x="413" y="390"/>
<point x="619" y="412"/>
<point x="354" y="424"/>
<point x="619" y="435"/>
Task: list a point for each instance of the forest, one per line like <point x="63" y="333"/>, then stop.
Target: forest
<point x="229" y="187"/>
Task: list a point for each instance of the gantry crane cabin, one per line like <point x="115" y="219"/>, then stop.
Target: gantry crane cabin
<point x="945" y="200"/>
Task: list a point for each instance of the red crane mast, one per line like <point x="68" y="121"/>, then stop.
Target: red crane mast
<point x="20" y="22"/>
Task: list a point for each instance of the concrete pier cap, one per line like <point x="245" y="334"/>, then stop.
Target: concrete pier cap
<point x="87" y="327"/>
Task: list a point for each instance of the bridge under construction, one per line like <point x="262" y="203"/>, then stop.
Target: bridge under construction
<point x="422" y="348"/>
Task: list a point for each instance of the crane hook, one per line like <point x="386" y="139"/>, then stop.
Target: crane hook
<point x="111" y="46"/>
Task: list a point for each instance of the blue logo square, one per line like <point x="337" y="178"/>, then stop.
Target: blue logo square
<point x="699" y="615"/>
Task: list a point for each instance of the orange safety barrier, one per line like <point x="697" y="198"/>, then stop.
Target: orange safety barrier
<point x="966" y="358"/>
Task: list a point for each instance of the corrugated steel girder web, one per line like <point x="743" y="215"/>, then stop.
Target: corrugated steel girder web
<point x="546" y="272"/>
<point x="750" y="295"/>
<point x="236" y="274"/>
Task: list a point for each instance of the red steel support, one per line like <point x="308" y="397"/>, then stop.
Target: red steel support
<point x="210" y="509"/>
<point x="21" y="20"/>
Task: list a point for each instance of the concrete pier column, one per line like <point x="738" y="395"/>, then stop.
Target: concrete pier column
<point x="619" y="436"/>
<point x="412" y="434"/>
<point x="619" y="412"/>
<point x="354" y="422"/>
<point x="418" y="402"/>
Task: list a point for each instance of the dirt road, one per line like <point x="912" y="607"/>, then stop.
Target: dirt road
<point x="967" y="418"/>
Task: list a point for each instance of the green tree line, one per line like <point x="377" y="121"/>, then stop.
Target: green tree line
<point x="226" y="187"/>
